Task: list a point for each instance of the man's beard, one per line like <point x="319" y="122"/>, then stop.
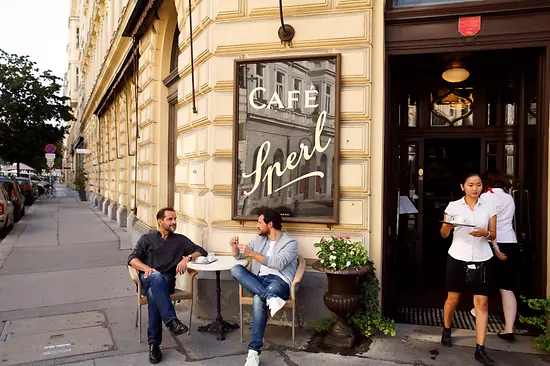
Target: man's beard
<point x="261" y="233"/>
<point x="170" y="228"/>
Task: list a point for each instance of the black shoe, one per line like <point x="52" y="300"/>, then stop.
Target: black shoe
<point x="510" y="337"/>
<point x="177" y="327"/>
<point x="482" y="356"/>
<point x="155" y="356"/>
<point x="446" y="337"/>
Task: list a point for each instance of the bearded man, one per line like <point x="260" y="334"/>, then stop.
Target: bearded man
<point x="159" y="256"/>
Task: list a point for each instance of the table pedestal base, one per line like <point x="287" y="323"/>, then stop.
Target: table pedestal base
<point x="219" y="327"/>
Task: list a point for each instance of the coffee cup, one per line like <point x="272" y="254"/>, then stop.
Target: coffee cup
<point x="201" y="259"/>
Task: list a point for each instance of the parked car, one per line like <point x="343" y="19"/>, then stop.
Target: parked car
<point x="29" y="189"/>
<point x="40" y="183"/>
<point x="6" y="211"/>
<point x="16" y="195"/>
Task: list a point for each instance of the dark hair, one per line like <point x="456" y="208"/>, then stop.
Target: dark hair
<point x="496" y="179"/>
<point x="162" y="212"/>
<point x="270" y="215"/>
<point x="469" y="175"/>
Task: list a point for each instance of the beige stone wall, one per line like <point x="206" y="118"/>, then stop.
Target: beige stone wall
<point x="225" y="31"/>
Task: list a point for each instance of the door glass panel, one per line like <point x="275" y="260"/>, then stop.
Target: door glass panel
<point x="510" y="152"/>
<point x="492" y="102"/>
<point x="452" y="107"/>
<point x="510" y="106"/>
<point x="532" y="112"/>
<point x="412" y="184"/>
<point x="412" y="115"/>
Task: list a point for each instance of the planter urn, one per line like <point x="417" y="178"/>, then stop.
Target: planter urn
<point x="342" y="299"/>
<point x="82" y="194"/>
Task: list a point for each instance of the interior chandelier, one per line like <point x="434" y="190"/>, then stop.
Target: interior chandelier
<point x="455" y="73"/>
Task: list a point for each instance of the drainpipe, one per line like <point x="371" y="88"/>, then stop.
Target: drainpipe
<point x="136" y="66"/>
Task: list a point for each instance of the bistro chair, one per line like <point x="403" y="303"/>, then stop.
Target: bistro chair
<point x="290" y="303"/>
<point x="177" y="296"/>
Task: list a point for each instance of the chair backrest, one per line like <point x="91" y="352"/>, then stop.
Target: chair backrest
<point x="133" y="274"/>
<point x="300" y="270"/>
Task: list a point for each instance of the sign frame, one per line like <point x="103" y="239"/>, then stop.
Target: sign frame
<point x="50" y="148"/>
<point x="330" y="213"/>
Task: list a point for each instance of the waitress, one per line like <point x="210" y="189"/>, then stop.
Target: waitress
<point x="507" y="249"/>
<point x="469" y="263"/>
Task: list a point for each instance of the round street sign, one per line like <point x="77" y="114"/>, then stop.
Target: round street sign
<point x="50" y="148"/>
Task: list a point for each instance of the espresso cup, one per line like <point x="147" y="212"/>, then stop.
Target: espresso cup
<point x="201" y="259"/>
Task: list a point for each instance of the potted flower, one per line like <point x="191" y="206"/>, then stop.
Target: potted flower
<point x="80" y="185"/>
<point x="343" y="261"/>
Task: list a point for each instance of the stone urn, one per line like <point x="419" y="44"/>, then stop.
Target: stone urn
<point x="342" y="299"/>
<point x="82" y="193"/>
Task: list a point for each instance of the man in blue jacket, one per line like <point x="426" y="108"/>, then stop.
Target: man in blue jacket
<point x="274" y="257"/>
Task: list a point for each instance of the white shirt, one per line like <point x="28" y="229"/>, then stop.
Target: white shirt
<point x="506" y="208"/>
<point x="264" y="270"/>
<point x="466" y="247"/>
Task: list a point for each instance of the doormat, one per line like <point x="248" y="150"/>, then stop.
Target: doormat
<point x="462" y="319"/>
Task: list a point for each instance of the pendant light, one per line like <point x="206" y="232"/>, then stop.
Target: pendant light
<point x="455" y="73"/>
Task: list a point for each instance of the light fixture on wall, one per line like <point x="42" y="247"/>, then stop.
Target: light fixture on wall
<point x="455" y="73"/>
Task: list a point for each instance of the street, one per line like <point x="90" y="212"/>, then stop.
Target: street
<point x="66" y="298"/>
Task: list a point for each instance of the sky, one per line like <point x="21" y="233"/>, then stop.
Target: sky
<point x="37" y="28"/>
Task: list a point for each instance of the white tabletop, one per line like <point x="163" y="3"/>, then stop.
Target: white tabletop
<point x="224" y="263"/>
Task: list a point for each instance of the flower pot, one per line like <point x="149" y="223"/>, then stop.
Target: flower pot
<point x="342" y="299"/>
<point x="82" y="194"/>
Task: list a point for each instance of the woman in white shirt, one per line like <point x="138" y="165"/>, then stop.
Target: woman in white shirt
<point x="507" y="249"/>
<point x="469" y="263"/>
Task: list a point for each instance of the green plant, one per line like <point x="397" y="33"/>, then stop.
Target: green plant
<point x="321" y="324"/>
<point x="80" y="181"/>
<point x="368" y="317"/>
<point x="339" y="252"/>
<point x="542" y="306"/>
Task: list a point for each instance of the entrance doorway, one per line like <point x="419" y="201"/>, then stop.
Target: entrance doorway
<point x="438" y="132"/>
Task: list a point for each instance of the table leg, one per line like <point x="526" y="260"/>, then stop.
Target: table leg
<point x="218" y="326"/>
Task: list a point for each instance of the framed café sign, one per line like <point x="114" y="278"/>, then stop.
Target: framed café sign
<point x="286" y="127"/>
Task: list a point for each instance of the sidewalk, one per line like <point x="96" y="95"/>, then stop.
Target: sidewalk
<point x="66" y="298"/>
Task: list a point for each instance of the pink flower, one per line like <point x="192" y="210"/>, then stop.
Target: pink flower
<point x="331" y="247"/>
<point x="348" y="237"/>
<point x="323" y="240"/>
<point x="339" y="237"/>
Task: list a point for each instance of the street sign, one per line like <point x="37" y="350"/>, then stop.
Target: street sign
<point x="50" y="164"/>
<point x="50" y="156"/>
<point x="82" y="151"/>
<point x="50" y="148"/>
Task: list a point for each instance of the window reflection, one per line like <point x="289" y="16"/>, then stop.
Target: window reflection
<point x="412" y="111"/>
<point x="452" y="107"/>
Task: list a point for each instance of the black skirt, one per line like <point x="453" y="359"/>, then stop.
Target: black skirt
<point x="507" y="272"/>
<point x="456" y="278"/>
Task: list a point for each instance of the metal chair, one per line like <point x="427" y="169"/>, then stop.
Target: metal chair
<point x="290" y="303"/>
<point x="178" y="295"/>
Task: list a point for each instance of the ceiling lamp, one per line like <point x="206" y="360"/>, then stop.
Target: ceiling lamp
<point x="455" y="73"/>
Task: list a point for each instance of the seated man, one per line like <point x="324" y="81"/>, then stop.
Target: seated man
<point x="275" y="258"/>
<point x="158" y="256"/>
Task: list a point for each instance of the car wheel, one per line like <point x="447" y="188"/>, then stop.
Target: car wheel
<point x="23" y="211"/>
<point x="16" y="215"/>
<point x="10" y="226"/>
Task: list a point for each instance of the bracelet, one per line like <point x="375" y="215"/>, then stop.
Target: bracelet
<point x="488" y="235"/>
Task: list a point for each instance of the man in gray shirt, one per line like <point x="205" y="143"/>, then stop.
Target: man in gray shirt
<point x="274" y="256"/>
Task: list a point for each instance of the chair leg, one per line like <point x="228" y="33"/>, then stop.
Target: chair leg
<point x="190" y="316"/>
<point x="293" y="325"/>
<point x="139" y="323"/>
<point x="242" y="323"/>
<point x="137" y="316"/>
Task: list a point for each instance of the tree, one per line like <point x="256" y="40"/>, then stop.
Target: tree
<point x="32" y="110"/>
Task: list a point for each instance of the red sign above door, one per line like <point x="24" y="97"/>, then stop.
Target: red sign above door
<point x="469" y="26"/>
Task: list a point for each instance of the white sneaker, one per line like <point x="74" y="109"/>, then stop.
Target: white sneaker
<point x="275" y="304"/>
<point x="253" y="358"/>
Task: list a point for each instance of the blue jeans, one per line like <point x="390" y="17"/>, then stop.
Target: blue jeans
<point x="158" y="288"/>
<point x="263" y="288"/>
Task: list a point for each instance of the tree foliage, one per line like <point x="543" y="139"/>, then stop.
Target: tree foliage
<point x="32" y="110"/>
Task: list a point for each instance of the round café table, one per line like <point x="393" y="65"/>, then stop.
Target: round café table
<point x="223" y="263"/>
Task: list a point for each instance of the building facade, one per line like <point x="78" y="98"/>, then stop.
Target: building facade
<point x="154" y="91"/>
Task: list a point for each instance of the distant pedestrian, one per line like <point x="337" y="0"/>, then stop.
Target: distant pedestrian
<point x="158" y="257"/>
<point x="470" y="259"/>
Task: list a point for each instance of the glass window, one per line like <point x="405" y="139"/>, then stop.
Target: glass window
<point x="492" y="156"/>
<point x="328" y="99"/>
<point x="406" y="3"/>
<point x="298" y="88"/>
<point x="280" y="85"/>
<point x="510" y="151"/>
<point x="260" y="80"/>
<point x="452" y="107"/>
<point x="412" y="115"/>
